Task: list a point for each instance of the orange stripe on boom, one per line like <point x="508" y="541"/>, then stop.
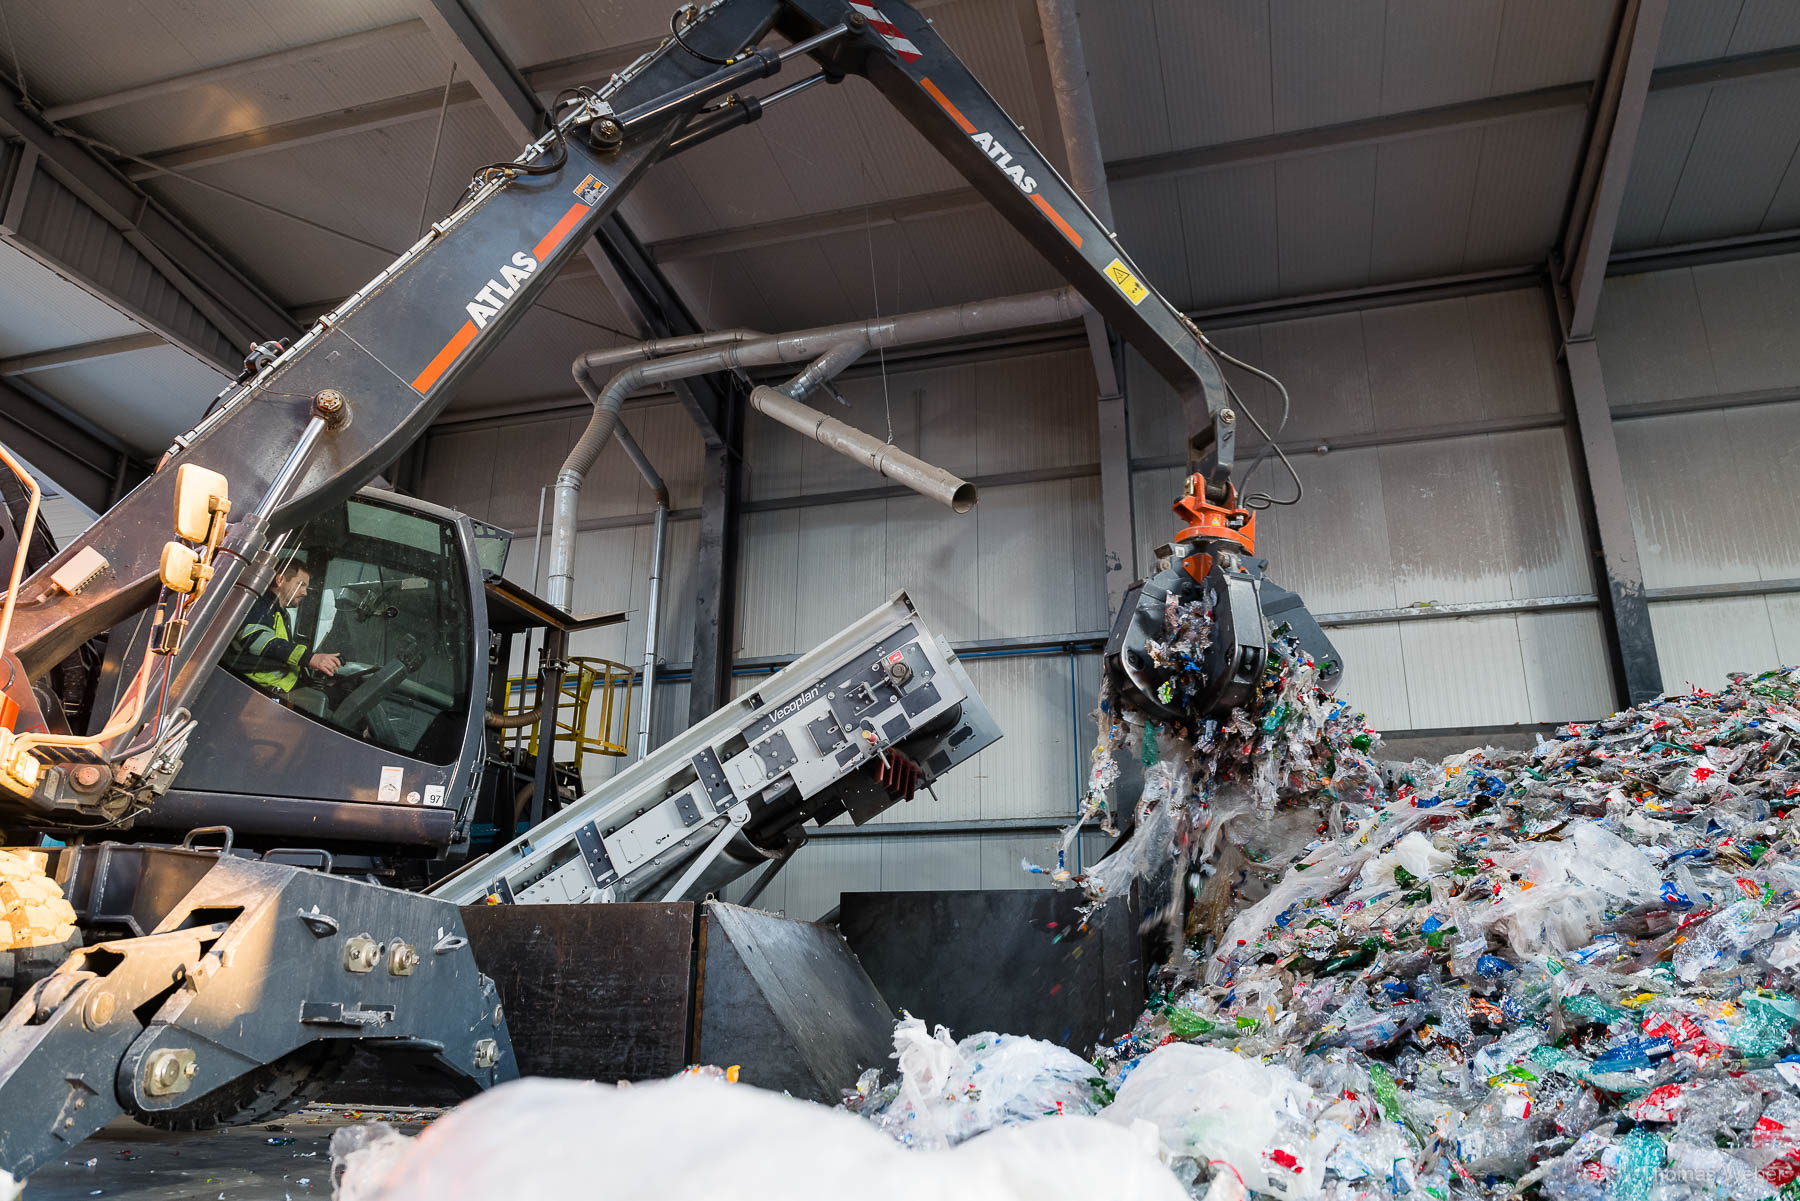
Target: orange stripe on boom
<point x="944" y="103"/>
<point x="1056" y="219"/>
<point x="558" y="232"/>
<point x="435" y="369"/>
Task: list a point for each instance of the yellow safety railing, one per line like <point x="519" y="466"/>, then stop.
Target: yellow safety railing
<point x="593" y="690"/>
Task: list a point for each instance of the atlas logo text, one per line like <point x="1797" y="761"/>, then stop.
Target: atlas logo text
<point x="490" y="300"/>
<point x="1004" y="160"/>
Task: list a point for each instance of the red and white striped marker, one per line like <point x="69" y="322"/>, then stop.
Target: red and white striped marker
<point x="890" y="32"/>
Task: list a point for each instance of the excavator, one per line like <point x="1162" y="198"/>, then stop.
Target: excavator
<point x="231" y="876"/>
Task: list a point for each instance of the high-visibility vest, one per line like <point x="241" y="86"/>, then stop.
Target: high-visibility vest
<point x="256" y="637"/>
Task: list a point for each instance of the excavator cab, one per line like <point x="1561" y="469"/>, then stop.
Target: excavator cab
<point x="387" y="755"/>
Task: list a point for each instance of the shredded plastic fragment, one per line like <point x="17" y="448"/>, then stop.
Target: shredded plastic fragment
<point x="1572" y="971"/>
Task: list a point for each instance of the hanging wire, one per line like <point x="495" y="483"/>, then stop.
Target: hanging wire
<point x="437" y="144"/>
<point x="1261" y="500"/>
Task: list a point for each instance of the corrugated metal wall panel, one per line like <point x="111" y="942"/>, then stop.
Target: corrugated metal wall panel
<point x="1652" y="339"/>
<point x="1424" y="189"/>
<point x="1737" y="159"/>
<point x="1547" y="42"/>
<point x="1031" y="771"/>
<point x="1436" y="54"/>
<point x="1709" y="489"/>
<point x="1683" y="470"/>
<point x="1325" y="210"/>
<point x="1697" y="29"/>
<point x="1670" y="119"/>
<point x="1215" y="69"/>
<point x="1229" y="219"/>
<point x="459" y="471"/>
<point x="1375" y="674"/>
<point x="1421" y="364"/>
<point x="1510" y="497"/>
<point x="1018" y="413"/>
<point x="933" y="554"/>
<point x="1699" y="641"/>
<point x="941" y="861"/>
<point x="1752" y="309"/>
<point x="1326" y="61"/>
<point x="1565" y="662"/>
<point x="768" y="583"/>
<point x="1523" y="188"/>
<point x="1333" y="547"/>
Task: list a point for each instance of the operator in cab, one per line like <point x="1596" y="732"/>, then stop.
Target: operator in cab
<point x="264" y="652"/>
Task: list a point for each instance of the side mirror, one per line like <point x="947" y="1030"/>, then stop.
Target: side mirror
<point x="200" y="492"/>
<point x="182" y="570"/>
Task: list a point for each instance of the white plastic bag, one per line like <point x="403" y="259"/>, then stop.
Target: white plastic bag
<point x="1213" y="1106"/>
<point x="690" y="1139"/>
<point x="950" y="1091"/>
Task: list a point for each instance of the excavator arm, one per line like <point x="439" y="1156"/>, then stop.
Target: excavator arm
<point x="311" y="424"/>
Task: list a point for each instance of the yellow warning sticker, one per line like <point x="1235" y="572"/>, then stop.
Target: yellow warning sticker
<point x="1126" y="282"/>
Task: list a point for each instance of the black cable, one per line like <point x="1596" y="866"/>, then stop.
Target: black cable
<point x="559" y="143"/>
<point x="1251" y="501"/>
<point x="675" y="32"/>
<point x="1269" y="443"/>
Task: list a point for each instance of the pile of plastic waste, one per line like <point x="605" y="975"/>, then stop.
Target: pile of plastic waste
<point x="1570" y="967"/>
<point x="1570" y="970"/>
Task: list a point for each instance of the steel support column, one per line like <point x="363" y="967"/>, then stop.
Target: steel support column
<point x="1087" y="172"/>
<point x="715" y="571"/>
<point x="1578" y="273"/>
<point x="1638" y="672"/>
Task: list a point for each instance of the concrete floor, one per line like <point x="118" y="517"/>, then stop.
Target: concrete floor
<point x="278" y="1161"/>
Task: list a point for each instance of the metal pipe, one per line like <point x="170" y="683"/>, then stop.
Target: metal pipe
<point x="653" y="603"/>
<point x="870" y="451"/>
<point x="1051" y="307"/>
<point x="822" y="370"/>
<point x="1075" y="105"/>
<point x="652" y="618"/>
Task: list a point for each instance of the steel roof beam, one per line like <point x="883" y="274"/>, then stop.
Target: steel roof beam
<point x="63" y="201"/>
<point x="620" y="260"/>
<point x="232" y="70"/>
<point x="85" y="352"/>
<point x="1600" y="191"/>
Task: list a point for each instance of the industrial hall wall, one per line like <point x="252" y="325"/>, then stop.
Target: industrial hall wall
<point x="1440" y="470"/>
<point x="1702" y="370"/>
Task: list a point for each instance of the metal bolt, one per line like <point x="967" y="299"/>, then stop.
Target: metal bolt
<point x="86" y="777"/>
<point x="487" y="1053"/>
<point x="330" y="405"/>
<point x="402" y="959"/>
<point x="1227" y="416"/>
<point x="99" y="1010"/>
<point x="361" y="954"/>
<point x="169" y="1072"/>
<point x="499" y="1014"/>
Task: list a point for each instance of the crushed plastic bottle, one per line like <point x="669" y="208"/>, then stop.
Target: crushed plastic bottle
<point x="1572" y="971"/>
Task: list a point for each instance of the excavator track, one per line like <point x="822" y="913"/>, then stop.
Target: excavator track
<point x="285" y="1086"/>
